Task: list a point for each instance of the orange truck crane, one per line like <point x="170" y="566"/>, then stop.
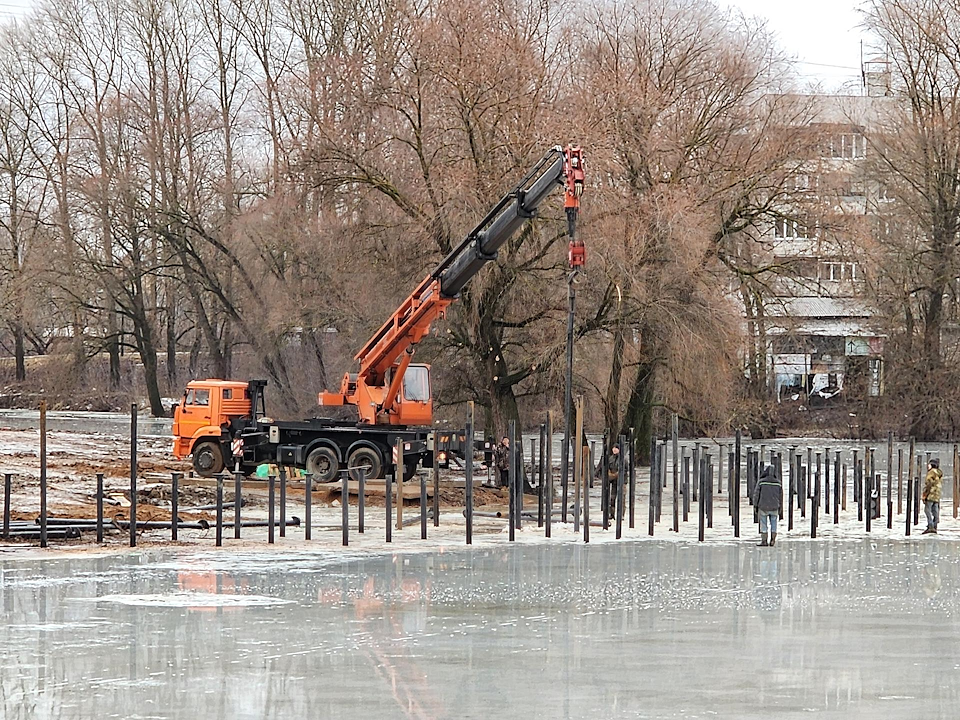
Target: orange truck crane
<point x="224" y="423"/>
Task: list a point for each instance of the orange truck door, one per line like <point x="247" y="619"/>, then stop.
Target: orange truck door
<point x="194" y="412"/>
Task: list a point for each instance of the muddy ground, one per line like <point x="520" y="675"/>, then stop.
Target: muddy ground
<point x="75" y="458"/>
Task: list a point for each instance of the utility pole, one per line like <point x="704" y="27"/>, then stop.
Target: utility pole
<point x="577" y="257"/>
<point x="568" y="393"/>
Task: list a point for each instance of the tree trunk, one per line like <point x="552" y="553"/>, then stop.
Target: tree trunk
<point x="639" y="413"/>
<point x="147" y="349"/>
<point x="611" y="406"/>
<point x="18" y="351"/>
<point x="171" y="337"/>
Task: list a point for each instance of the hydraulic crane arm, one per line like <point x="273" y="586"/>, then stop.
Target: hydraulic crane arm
<point x="410" y="323"/>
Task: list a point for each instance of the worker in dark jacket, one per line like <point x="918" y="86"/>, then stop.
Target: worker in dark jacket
<point x="501" y="459"/>
<point x="768" y="499"/>
<point x="613" y="474"/>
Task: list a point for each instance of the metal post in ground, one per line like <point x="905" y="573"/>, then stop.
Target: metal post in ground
<point x="730" y="461"/>
<point x="815" y="508"/>
<point x="238" y="502"/>
<point x="804" y="473"/>
<point x="826" y="480"/>
<point x="8" y="489"/>
<point x="899" y="481"/>
<point x="43" y="477"/>
<point x="542" y="485"/>
<point x="858" y="489"/>
<point x="736" y="490"/>
<point x="424" y="510"/>
<point x="578" y="463"/>
<point x="836" y="489"/>
<point x="720" y="457"/>
<point x="388" y="505"/>
<point x="436" y="481"/>
<point x="586" y="496"/>
<point x="909" y="465"/>
<point x="345" y="508"/>
<point x="686" y="487"/>
<point x="133" y="473"/>
<point x="791" y="488"/>
<point x="604" y="472"/>
<point x="916" y="490"/>
<point x="283" y="502"/>
<point x="620" y="488"/>
<point x="518" y="482"/>
<point x="632" y="465"/>
<point x="271" y="507"/>
<point x="709" y="492"/>
<point x="399" y="472"/>
<point x="468" y="478"/>
<point x="361" y="497"/>
<point x="654" y="480"/>
<point x="843" y="488"/>
<point x="512" y="480"/>
<point x="909" y="501"/>
<point x="219" y="531"/>
<point x="548" y="467"/>
<point x="676" y="488"/>
<point x="675" y="437"/>
<point x="174" y="504"/>
<point x="307" y="507"/>
<point x="695" y="465"/>
<point x="701" y="505"/>
<point x="818" y="478"/>
<point x="6" y="508"/>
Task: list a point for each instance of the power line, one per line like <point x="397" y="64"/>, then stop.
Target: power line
<point x="827" y="65"/>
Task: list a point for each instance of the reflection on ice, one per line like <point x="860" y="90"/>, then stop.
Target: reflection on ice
<point x="845" y="629"/>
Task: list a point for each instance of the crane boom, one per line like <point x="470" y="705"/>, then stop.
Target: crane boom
<point x="386" y="356"/>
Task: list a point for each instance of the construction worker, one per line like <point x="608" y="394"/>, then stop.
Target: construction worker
<point x="501" y="459"/>
<point x="932" y="488"/>
<point x="613" y="475"/>
<point x="768" y="499"/>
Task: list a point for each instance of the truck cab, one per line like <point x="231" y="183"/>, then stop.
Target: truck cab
<point x="202" y="418"/>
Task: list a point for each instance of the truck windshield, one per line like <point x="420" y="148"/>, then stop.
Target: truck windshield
<point x="416" y="384"/>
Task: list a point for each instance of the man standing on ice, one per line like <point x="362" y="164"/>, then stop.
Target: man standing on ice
<point x="767" y="498"/>
<point x="932" y="487"/>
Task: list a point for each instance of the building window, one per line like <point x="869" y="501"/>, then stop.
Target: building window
<point x="790" y="228"/>
<point x="837" y="271"/>
<point x="846" y="145"/>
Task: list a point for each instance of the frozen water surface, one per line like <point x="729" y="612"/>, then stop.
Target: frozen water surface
<point x="845" y="629"/>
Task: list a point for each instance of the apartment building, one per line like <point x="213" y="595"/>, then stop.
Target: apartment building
<point x="823" y="337"/>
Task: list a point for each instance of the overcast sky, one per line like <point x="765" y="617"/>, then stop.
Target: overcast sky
<point x="821" y="36"/>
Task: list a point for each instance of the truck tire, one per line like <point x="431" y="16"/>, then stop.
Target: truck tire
<point x="366" y="457"/>
<point x="207" y="458"/>
<point x="322" y="463"/>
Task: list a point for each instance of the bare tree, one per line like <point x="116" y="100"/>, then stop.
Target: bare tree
<point x="917" y="147"/>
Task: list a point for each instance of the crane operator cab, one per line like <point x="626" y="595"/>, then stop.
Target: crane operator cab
<point x="409" y="402"/>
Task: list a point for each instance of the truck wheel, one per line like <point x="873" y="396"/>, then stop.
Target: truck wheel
<point x="322" y="463"/>
<point x="366" y="457"/>
<point x="207" y="459"/>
